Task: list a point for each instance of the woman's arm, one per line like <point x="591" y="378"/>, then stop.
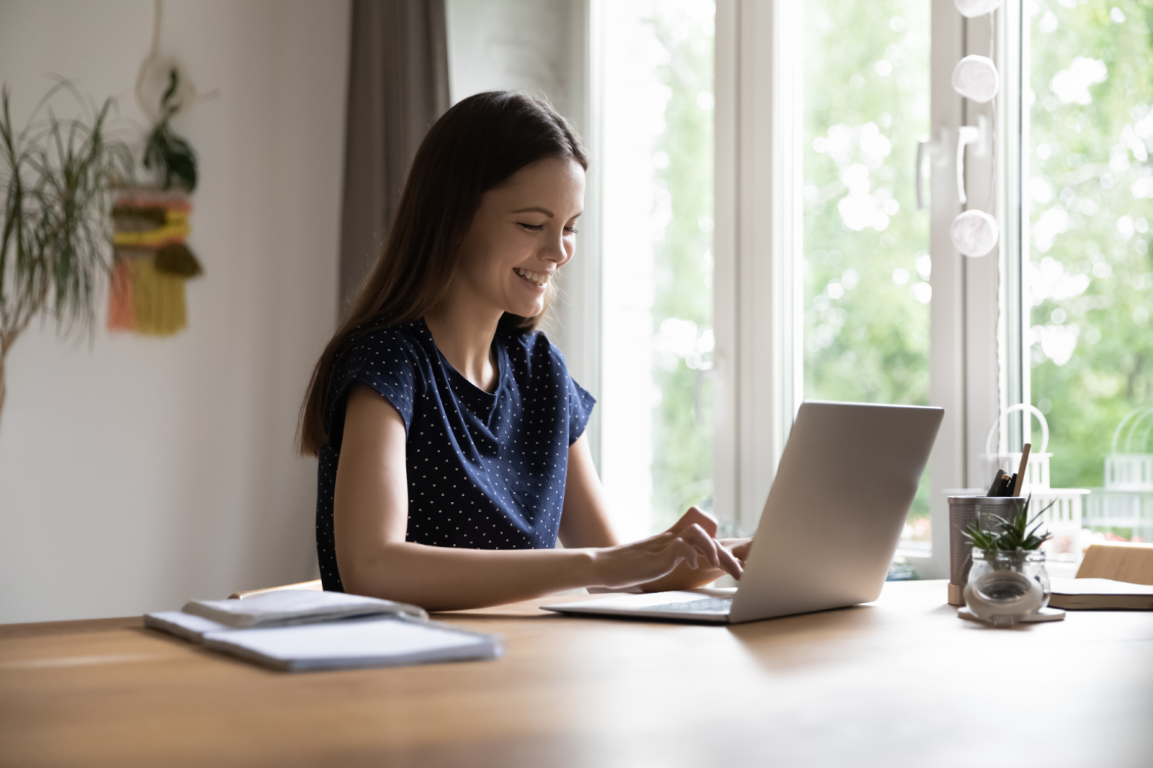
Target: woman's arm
<point x="584" y="523"/>
<point x="370" y="517"/>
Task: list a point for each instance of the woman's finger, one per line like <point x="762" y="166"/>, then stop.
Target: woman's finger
<point x="705" y="543"/>
<point x="730" y="564"/>
<point x="682" y="550"/>
<point x="739" y="547"/>
<point x="696" y="516"/>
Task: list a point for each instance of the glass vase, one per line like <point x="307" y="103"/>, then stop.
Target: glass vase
<point x="1005" y="587"/>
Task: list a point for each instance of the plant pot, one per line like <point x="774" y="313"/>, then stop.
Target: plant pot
<point x="1005" y="587"/>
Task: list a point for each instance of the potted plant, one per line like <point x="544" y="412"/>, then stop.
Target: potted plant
<point x="1008" y="580"/>
<point x="56" y="177"/>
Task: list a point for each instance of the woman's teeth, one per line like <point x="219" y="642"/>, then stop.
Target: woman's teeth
<point x="532" y="277"/>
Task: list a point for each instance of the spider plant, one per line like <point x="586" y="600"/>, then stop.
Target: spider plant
<point x="56" y="178"/>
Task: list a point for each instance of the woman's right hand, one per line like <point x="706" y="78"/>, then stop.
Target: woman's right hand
<point x="647" y="560"/>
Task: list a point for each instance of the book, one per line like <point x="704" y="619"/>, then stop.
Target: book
<point x="286" y="607"/>
<point x="1100" y="594"/>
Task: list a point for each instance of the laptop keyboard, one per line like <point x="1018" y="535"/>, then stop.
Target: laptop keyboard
<point x="707" y="605"/>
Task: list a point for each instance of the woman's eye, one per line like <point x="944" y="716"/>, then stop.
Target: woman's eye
<point x="571" y="230"/>
<point x="532" y="227"/>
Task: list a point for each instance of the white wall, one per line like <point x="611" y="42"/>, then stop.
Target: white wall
<point x="136" y="473"/>
<point x="541" y="47"/>
<point x="535" y="45"/>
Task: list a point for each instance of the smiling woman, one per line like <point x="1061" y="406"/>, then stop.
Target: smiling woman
<point x="449" y="431"/>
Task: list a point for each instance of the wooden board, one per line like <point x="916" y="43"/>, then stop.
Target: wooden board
<point x="899" y="682"/>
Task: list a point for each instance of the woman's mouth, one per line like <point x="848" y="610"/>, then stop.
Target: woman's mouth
<point x="539" y="279"/>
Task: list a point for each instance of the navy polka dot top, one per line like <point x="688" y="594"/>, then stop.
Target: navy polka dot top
<point x="485" y="470"/>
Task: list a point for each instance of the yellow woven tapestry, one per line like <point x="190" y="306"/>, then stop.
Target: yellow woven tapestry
<point x="152" y="262"/>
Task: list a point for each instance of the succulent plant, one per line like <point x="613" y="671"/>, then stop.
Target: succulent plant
<point x="1013" y="535"/>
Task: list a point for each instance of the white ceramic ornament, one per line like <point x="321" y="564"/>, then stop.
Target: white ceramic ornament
<point x="974" y="233"/>
<point x="976" y="78"/>
<point x="972" y="8"/>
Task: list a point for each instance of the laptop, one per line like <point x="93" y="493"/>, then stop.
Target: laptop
<point x="830" y="526"/>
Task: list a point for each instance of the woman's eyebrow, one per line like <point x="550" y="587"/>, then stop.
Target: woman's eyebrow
<point x="545" y="211"/>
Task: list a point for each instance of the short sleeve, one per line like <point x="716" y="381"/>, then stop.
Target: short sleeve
<point x="384" y="361"/>
<point x="580" y="408"/>
<point x="578" y="402"/>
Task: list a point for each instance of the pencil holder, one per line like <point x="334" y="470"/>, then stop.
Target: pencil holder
<point x="964" y="510"/>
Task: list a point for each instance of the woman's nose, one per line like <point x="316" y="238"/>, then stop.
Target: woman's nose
<point x="556" y="251"/>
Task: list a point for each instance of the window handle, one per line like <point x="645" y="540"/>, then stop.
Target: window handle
<point x="967" y="135"/>
<point x="933" y="146"/>
<point x="970" y="134"/>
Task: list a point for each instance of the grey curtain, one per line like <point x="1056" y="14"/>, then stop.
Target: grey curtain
<point x="397" y="87"/>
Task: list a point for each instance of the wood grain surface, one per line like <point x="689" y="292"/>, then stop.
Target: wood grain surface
<point x="1121" y="561"/>
<point x="899" y="682"/>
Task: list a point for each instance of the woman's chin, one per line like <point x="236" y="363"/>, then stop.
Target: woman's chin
<point x="526" y="310"/>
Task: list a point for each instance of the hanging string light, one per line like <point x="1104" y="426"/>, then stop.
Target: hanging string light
<point x="976" y="78"/>
<point x="974" y="232"/>
<point x="972" y="8"/>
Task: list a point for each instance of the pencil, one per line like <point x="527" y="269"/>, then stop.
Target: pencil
<point x="1021" y="469"/>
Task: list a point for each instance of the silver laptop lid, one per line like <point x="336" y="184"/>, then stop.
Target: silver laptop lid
<point x="836" y="509"/>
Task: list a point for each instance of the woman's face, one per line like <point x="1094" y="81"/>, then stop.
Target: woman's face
<point x="521" y="235"/>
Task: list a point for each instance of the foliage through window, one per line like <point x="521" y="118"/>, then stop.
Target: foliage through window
<point x="1089" y="191"/>
<point x="866" y="265"/>
<point x="658" y="265"/>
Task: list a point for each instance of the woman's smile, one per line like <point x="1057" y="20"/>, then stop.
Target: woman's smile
<point x="538" y="279"/>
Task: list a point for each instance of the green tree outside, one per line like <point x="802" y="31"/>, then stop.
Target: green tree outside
<point x="1091" y="186"/>
<point x="866" y="264"/>
<point x="683" y="302"/>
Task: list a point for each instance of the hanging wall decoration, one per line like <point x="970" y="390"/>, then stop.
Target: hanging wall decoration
<point x="151" y="224"/>
<point x="152" y="261"/>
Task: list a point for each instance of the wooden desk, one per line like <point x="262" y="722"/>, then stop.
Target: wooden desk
<point x="900" y="682"/>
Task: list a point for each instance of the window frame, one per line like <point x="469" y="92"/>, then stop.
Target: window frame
<point x="759" y="378"/>
<point x="977" y="360"/>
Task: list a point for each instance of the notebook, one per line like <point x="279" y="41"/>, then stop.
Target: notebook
<point x="183" y="625"/>
<point x="295" y="606"/>
<point x="1100" y="594"/>
<point x="390" y="641"/>
<point x="297" y="630"/>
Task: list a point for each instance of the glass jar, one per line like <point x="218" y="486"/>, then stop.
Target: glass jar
<point x="1004" y="587"/>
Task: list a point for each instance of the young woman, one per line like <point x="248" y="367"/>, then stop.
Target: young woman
<point x="450" y="434"/>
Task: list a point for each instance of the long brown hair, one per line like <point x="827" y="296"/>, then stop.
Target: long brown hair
<point x="475" y="146"/>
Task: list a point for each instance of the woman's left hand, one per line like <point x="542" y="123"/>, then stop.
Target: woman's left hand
<point x="739" y="547"/>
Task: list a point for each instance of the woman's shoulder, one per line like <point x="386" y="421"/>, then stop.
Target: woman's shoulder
<point x="395" y="343"/>
<point x="396" y="353"/>
<point x="536" y="349"/>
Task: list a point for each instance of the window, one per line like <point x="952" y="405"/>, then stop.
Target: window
<point x="656" y="150"/>
<point x="1088" y="184"/>
<point x="865" y="269"/>
<point x="828" y="281"/>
